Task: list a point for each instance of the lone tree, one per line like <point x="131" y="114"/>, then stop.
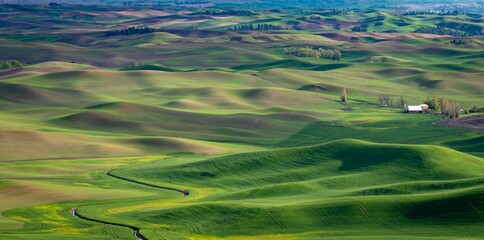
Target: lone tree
<point x="343" y="95"/>
<point x="402" y="102"/>
<point x="474" y="109"/>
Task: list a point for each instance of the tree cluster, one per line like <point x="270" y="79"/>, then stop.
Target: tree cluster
<point x="457" y="42"/>
<point x="332" y="54"/>
<point x="475" y="110"/>
<point x="6" y="64"/>
<point x="252" y="27"/>
<point x="359" y="29"/>
<point x="448" y="108"/>
<point x="54" y="4"/>
<point x="130" y="31"/>
<point x="312" y="17"/>
<point x="191" y="2"/>
<point x="378" y="6"/>
<point x="467" y="29"/>
<point x="442" y="31"/>
<point x="230" y="12"/>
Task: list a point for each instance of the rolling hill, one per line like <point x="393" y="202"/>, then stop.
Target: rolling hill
<point x="225" y="120"/>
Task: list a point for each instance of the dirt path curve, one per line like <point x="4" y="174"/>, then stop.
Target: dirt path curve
<point x="136" y="232"/>
<point x="185" y="192"/>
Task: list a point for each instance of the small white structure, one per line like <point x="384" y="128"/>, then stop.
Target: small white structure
<point x="414" y="109"/>
<point x="417" y="109"/>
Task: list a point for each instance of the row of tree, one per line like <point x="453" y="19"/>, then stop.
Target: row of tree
<point x="258" y="27"/>
<point x="133" y="3"/>
<point x="332" y="54"/>
<point x="461" y="7"/>
<point x="6" y="64"/>
<point x="383" y="6"/>
<point x="390" y="101"/>
<point x="441" y="13"/>
<point x="191" y="2"/>
<point x="312" y="17"/>
<point x="130" y="31"/>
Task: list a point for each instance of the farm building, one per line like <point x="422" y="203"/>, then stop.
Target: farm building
<point x="417" y="109"/>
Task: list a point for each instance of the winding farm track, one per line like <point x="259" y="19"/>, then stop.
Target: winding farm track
<point x="184" y="191"/>
<point x="136" y="230"/>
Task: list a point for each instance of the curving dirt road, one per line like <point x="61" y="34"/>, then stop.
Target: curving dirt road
<point x="185" y="192"/>
<point x="136" y="230"/>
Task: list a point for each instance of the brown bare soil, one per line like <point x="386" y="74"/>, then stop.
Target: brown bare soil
<point x="473" y="123"/>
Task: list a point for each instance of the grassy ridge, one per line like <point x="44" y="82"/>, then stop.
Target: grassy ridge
<point x="322" y="191"/>
<point x="325" y="189"/>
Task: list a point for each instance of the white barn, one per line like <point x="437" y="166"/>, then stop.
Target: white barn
<point x="417" y="109"/>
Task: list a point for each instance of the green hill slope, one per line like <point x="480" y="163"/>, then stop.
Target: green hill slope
<point x="324" y="191"/>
